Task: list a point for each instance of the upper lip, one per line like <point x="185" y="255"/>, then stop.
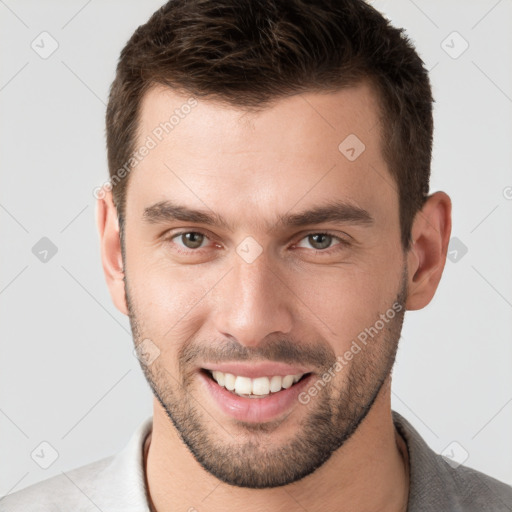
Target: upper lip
<point x="254" y="370"/>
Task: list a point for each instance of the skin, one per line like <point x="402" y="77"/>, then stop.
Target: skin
<point x="250" y="168"/>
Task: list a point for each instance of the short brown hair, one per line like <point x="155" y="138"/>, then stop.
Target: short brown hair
<point x="249" y="53"/>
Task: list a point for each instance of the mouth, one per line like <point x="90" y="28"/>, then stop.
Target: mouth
<point x="255" y="392"/>
<point x="257" y="388"/>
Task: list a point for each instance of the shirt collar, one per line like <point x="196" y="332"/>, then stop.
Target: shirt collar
<point x="126" y="478"/>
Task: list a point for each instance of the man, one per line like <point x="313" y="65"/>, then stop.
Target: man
<point x="266" y="226"/>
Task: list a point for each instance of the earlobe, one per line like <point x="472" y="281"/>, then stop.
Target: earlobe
<point x="110" y="246"/>
<point x="427" y="255"/>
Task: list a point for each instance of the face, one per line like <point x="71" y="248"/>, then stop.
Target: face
<point x="258" y="257"/>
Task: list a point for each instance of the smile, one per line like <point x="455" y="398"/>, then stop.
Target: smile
<point x="259" y="387"/>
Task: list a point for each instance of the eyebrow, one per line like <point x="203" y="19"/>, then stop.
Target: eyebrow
<point x="333" y="211"/>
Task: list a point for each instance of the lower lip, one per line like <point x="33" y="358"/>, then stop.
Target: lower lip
<point x="254" y="410"/>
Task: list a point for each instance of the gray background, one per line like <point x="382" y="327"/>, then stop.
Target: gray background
<point x="68" y="376"/>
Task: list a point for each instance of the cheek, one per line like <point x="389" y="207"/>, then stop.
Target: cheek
<point x="348" y="299"/>
<point x="168" y="300"/>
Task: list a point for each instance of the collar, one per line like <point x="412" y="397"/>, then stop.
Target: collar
<point x="433" y="484"/>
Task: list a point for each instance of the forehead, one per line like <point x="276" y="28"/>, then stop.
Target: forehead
<point x="301" y="149"/>
<point x="167" y="114"/>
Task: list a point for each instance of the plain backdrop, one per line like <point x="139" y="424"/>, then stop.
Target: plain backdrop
<point x="68" y="376"/>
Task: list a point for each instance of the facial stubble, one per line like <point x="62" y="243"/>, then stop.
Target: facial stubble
<point x="250" y="458"/>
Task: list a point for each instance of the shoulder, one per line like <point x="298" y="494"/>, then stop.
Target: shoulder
<point x="437" y="483"/>
<point x="464" y="489"/>
<point x="115" y="483"/>
<point x="479" y="491"/>
<point x="69" y="490"/>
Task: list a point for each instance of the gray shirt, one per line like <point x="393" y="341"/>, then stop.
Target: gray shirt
<point x="117" y="483"/>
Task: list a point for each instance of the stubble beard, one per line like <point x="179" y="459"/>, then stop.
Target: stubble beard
<point x="249" y="458"/>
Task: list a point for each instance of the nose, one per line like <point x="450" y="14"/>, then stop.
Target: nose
<point x="252" y="302"/>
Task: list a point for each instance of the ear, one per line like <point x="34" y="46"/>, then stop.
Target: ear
<point x="110" y="244"/>
<point x="426" y="258"/>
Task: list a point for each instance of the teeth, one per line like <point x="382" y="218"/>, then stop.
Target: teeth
<point x="259" y="387"/>
<point x="275" y="383"/>
<point x="287" y="381"/>
<point x="219" y="377"/>
<point x="229" y="381"/>
<point x="243" y="386"/>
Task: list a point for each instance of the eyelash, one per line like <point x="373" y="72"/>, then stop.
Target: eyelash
<point x="339" y="246"/>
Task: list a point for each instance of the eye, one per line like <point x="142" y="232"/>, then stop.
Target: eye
<point x="193" y="241"/>
<point x="189" y="239"/>
<point x="321" y="241"/>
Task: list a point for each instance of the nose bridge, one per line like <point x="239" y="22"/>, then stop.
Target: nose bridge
<point x="251" y="302"/>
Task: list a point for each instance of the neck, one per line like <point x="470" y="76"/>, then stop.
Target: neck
<point x="368" y="473"/>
